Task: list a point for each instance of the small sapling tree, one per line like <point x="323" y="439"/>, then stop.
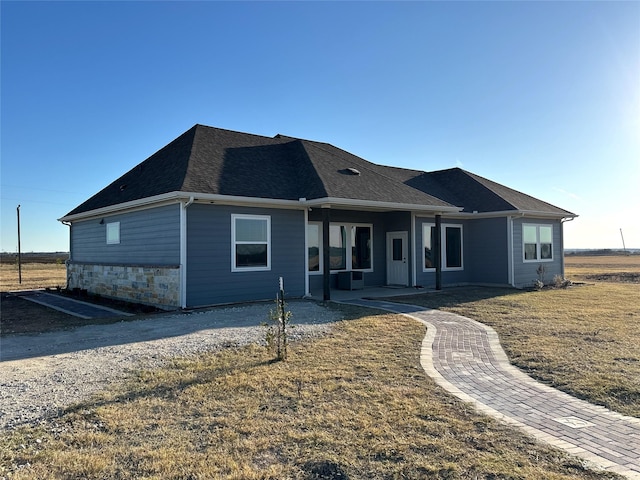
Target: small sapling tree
<point x="276" y="336"/>
<point x="539" y="283"/>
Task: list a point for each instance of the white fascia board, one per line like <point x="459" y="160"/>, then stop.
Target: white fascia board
<point x="515" y="213"/>
<point x="375" y="205"/>
<point x="147" y="202"/>
<point x="246" y="201"/>
<point x="173" y="197"/>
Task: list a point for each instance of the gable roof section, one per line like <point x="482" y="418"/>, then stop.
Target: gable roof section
<point x="207" y="160"/>
<point x="473" y="192"/>
<point x="479" y="194"/>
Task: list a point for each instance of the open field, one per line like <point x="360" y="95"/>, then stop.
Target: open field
<point x="34" y="275"/>
<point x="355" y="404"/>
<point x="31" y="257"/>
<point x="624" y="268"/>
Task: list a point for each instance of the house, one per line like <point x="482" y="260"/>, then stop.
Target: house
<point x="217" y="216"/>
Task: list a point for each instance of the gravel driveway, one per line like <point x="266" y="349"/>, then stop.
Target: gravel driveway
<point x="42" y="374"/>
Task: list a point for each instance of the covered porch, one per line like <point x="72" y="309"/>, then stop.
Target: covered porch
<point x="375" y="248"/>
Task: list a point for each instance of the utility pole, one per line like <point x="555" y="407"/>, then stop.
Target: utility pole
<point x="624" y="248"/>
<point x="19" y="253"/>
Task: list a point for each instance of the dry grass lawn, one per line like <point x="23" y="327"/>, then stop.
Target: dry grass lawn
<point x="34" y="275"/>
<point x="355" y="404"/>
<point x="352" y="405"/>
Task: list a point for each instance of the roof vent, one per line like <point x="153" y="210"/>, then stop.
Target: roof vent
<point x="353" y="171"/>
<point x="122" y="187"/>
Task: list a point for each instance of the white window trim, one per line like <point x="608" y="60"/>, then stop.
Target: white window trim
<point x="425" y="225"/>
<point x="538" y="258"/>
<point x="349" y="263"/>
<point x="443" y="247"/>
<point x="320" y="250"/>
<point x="235" y="268"/>
<point x="109" y="226"/>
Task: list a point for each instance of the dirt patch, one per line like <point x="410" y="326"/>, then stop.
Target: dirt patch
<point x="628" y="277"/>
<point x="20" y="316"/>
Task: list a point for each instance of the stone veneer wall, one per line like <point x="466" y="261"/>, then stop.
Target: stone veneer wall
<point x="151" y="285"/>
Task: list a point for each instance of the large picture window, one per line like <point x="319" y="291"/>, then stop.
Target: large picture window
<point x="452" y="247"/>
<point x="360" y="248"/>
<point x="537" y="242"/>
<point x="450" y="244"/>
<point x="428" y="246"/>
<point x="251" y="240"/>
<point x="350" y="247"/>
<point x="314" y="246"/>
<point x="337" y="247"/>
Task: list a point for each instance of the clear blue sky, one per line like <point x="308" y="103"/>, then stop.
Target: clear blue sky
<point x="543" y="97"/>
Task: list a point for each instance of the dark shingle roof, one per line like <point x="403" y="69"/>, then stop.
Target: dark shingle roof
<point x="479" y="194"/>
<point x="209" y="160"/>
<point x="371" y="184"/>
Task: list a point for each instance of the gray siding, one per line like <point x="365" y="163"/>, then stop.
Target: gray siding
<point x="525" y="272"/>
<point x="210" y="280"/>
<point x="487" y="253"/>
<point x="484" y="253"/>
<point x="147" y="237"/>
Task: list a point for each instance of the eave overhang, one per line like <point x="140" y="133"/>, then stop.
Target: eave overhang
<point x="518" y="213"/>
<point x="327" y="202"/>
<point x="372" y="205"/>
<point x="175" y="197"/>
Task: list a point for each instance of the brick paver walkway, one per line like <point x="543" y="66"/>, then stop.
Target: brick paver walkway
<point x="466" y="359"/>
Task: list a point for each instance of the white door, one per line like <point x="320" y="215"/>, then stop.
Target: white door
<point x="397" y="258"/>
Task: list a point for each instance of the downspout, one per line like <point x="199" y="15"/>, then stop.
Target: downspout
<point x="68" y="224"/>
<point x="183" y="251"/>
<point x="510" y="265"/>
<point x="438" y="252"/>
<point x="562" y="222"/>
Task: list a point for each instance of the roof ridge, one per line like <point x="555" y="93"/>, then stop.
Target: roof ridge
<point x="266" y="137"/>
<point x="366" y="162"/>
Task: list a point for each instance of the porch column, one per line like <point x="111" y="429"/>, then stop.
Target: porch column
<point x="438" y="252"/>
<point x="326" y="254"/>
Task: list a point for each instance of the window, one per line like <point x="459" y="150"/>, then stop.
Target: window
<point x="113" y="233"/>
<point x="314" y="246"/>
<point x="360" y="248"/>
<point x="337" y="247"/>
<point x="451" y="245"/>
<point x="251" y="240"/>
<point x="359" y="238"/>
<point x="428" y="244"/>
<point x="537" y="242"/>
<point x="396" y="250"/>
